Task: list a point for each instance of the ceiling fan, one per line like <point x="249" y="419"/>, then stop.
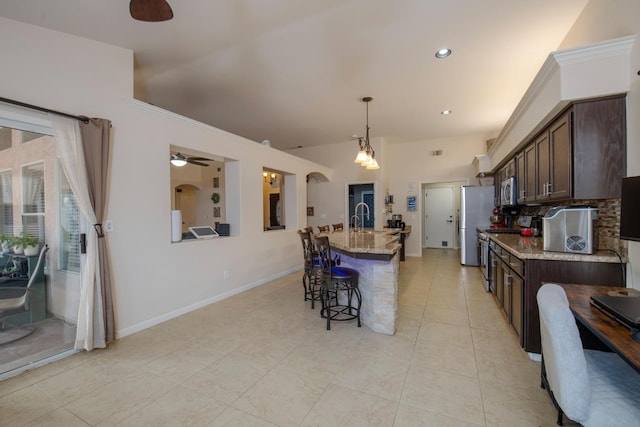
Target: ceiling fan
<point x="150" y="10"/>
<point x="180" y="160"/>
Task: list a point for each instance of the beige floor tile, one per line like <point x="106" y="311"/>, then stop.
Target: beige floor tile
<point x="73" y="384"/>
<point x="58" y="418"/>
<point x="447" y="394"/>
<point x="503" y="408"/>
<point x="120" y="399"/>
<point x="521" y="377"/>
<point x="340" y="406"/>
<point x="227" y="378"/>
<point x="446" y="315"/>
<point x="398" y="347"/>
<point x="179" y="407"/>
<point x="23" y="406"/>
<point x="292" y="388"/>
<point x="497" y="344"/>
<point x="409" y="416"/>
<point x="13" y="384"/>
<point x="235" y="418"/>
<point x="54" y="368"/>
<point x="450" y="358"/>
<point x="374" y="374"/>
<point x="434" y="333"/>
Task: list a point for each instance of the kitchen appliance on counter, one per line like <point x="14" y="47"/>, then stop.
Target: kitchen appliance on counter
<point x="476" y="205"/>
<point x="395" y="221"/>
<point x="570" y="229"/>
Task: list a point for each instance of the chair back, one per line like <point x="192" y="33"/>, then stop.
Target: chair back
<point x="38" y="270"/>
<point x="562" y="353"/>
<point x="323" y="250"/>
<point x="305" y="239"/>
<point x="338" y="227"/>
<point x="324" y="228"/>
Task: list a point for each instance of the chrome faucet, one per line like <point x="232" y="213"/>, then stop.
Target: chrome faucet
<point x="354" y="221"/>
<point x="364" y="205"/>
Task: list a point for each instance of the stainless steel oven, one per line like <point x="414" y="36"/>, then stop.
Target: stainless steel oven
<point x="483" y="256"/>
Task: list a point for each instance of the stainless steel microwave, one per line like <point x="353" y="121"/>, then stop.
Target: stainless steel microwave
<point x="508" y="192"/>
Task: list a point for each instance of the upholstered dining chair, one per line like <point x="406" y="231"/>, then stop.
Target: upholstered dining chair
<point x="15" y="297"/>
<point x="339" y="293"/>
<point x="338" y="227"/>
<point x="324" y="228"/>
<point x="593" y="388"/>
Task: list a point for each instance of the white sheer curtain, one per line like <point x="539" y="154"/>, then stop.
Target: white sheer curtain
<point x="70" y="152"/>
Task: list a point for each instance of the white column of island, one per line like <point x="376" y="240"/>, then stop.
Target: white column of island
<point x="375" y="255"/>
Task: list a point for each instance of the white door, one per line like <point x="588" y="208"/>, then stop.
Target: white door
<point x="439" y="224"/>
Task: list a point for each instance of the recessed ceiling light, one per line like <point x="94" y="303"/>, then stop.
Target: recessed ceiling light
<point x="443" y="53"/>
<point x="445" y="112"/>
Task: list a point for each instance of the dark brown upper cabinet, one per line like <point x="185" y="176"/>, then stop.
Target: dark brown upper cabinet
<point x="580" y="155"/>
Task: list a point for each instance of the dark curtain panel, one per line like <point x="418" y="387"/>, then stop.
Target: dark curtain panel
<point x="96" y="141"/>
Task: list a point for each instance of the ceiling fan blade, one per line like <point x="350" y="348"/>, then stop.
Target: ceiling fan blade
<point x="201" y="159"/>
<point x="195" y="162"/>
<point x="150" y="10"/>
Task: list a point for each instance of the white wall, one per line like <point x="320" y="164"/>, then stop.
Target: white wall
<point x="153" y="278"/>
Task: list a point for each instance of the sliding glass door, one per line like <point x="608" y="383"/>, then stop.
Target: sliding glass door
<point x="36" y="200"/>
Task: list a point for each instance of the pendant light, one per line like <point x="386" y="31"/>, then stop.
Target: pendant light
<point x="366" y="156"/>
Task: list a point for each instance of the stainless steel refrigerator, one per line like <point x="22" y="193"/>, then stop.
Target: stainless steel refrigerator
<point x="476" y="206"/>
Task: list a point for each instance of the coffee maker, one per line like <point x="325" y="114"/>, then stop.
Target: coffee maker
<point x="395" y="221"/>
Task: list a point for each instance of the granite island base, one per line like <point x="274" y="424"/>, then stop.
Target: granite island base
<point x="373" y="253"/>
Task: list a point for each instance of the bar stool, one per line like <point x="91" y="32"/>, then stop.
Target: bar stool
<point x="338" y="286"/>
<point x="338" y="227"/>
<point x="310" y="281"/>
<point x="323" y="228"/>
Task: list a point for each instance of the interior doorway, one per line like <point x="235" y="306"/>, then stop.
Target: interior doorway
<point x="362" y="193"/>
<point x="441" y="211"/>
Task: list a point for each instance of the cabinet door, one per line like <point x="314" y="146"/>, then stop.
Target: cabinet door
<point x="542" y="167"/>
<point x="497" y="187"/>
<point x="521" y="180"/>
<point x="503" y="272"/>
<point x="560" y="161"/>
<point x="493" y="270"/>
<point x="517" y="301"/>
<point x="530" y="173"/>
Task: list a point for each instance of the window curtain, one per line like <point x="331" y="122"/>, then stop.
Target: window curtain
<point x="95" y="317"/>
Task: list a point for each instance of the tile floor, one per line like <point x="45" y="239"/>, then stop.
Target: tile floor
<point x="264" y="358"/>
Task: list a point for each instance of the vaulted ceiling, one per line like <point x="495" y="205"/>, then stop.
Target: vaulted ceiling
<point x="294" y="71"/>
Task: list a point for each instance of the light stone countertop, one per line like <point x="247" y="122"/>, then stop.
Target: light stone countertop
<point x="531" y="248"/>
<point x="368" y="241"/>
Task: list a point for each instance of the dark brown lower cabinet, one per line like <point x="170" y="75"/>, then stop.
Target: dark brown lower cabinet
<point x="515" y="282"/>
<point x="544" y="271"/>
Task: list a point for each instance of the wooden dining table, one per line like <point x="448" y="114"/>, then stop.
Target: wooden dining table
<point x="609" y="331"/>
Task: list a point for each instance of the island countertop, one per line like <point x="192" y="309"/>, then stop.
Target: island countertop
<point x="531" y="248"/>
<point x="366" y="244"/>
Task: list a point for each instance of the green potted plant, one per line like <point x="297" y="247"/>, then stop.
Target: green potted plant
<point x="29" y="243"/>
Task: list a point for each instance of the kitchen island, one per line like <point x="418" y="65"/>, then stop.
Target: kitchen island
<point x="373" y="253"/>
